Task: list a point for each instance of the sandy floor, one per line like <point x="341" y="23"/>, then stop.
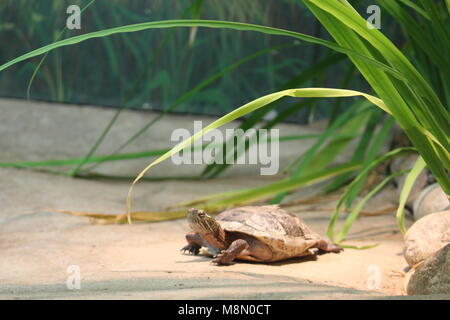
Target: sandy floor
<point x="142" y="261"/>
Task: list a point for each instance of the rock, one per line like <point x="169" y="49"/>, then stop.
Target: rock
<point x="384" y="201"/>
<point x="433" y="275"/>
<point x="426" y="236"/>
<point x="431" y="199"/>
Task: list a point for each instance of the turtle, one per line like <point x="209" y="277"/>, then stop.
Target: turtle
<point x="253" y="233"/>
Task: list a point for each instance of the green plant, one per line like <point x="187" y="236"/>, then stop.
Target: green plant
<point x="414" y="98"/>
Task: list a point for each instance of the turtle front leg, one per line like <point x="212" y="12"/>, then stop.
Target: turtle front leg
<point x="327" y="246"/>
<point x="226" y="257"/>
<point x="194" y="241"/>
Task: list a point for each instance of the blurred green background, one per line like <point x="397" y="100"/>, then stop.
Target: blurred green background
<point x="151" y="69"/>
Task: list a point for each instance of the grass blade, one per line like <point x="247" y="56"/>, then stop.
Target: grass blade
<point x="355" y="182"/>
<point x="418" y="167"/>
<point x="247" y="108"/>
<point x="355" y="212"/>
<point x="197" y="23"/>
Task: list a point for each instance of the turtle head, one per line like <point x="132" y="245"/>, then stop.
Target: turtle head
<point x="201" y="222"/>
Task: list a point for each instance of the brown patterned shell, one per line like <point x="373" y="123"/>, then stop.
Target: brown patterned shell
<point x="282" y="231"/>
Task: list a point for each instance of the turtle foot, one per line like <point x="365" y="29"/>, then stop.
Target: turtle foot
<point x="191" y="249"/>
<point x="328" y="247"/>
<point x="223" y="259"/>
<point x="226" y="257"/>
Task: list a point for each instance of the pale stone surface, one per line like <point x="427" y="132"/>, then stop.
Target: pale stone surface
<point x="431" y="199"/>
<point x="433" y="275"/>
<point x="426" y="236"/>
<point x="143" y="260"/>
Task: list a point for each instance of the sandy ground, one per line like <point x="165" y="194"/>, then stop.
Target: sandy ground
<point x="142" y="261"/>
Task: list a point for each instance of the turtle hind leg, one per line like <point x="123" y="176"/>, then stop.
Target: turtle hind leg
<point x="236" y="249"/>
<point x="327" y="246"/>
<point x="194" y="241"/>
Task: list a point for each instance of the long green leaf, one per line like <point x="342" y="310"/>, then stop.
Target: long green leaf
<point x="355" y="182"/>
<point x="186" y="96"/>
<point x="213" y="170"/>
<point x="418" y="167"/>
<point x="30" y="82"/>
<point x="132" y="155"/>
<point x="355" y="212"/>
<point x="195" y="23"/>
<point x="249" y="107"/>
<point x="406" y="100"/>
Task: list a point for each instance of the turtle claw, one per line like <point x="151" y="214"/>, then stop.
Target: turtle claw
<point x="190" y="249"/>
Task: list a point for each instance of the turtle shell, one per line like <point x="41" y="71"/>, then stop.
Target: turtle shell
<point x="284" y="233"/>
